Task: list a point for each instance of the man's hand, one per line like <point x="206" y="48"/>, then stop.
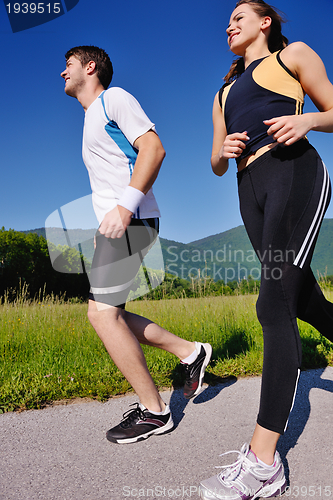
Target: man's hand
<point x="115" y="222"/>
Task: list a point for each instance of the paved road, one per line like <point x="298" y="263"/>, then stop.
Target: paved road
<point x="60" y="453"/>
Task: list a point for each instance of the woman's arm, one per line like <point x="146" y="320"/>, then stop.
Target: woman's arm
<point x="310" y="71"/>
<point x="224" y="146"/>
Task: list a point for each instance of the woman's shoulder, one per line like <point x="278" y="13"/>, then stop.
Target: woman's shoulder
<point x="221" y="95"/>
<point x="294" y="55"/>
<point x="295" y="50"/>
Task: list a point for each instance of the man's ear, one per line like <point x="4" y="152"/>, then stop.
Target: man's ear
<point x="91" y="67"/>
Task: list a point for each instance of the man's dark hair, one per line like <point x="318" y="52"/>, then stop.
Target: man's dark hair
<point x="87" y="53"/>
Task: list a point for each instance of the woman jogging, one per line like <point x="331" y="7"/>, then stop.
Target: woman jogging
<point x="284" y="190"/>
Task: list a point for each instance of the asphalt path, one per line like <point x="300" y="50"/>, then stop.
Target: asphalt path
<point x="61" y="453"/>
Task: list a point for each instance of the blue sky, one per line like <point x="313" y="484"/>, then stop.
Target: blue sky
<point x="171" y="55"/>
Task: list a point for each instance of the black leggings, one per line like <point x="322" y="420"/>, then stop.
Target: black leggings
<point x="283" y="197"/>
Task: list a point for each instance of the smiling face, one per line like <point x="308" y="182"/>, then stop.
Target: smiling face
<point x="246" y="27"/>
<point x="74" y="76"/>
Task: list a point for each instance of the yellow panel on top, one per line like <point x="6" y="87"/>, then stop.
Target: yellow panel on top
<point x="270" y="75"/>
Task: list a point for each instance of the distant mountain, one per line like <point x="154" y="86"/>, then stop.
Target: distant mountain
<point x="228" y="255"/>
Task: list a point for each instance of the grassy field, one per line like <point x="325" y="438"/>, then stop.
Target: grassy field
<point x="49" y="351"/>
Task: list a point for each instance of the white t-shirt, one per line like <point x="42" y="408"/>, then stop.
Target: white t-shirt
<point x="112" y="123"/>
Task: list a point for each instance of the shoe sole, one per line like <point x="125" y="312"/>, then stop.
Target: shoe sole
<point x="278" y="489"/>
<point x="271" y="491"/>
<point x="209" y="351"/>
<point x="168" y="427"/>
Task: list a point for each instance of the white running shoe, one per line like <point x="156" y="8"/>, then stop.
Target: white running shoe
<point x="245" y="479"/>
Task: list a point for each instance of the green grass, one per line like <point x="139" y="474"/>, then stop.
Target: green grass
<point x="50" y="352"/>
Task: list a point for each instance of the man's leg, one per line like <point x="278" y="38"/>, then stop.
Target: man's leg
<point x="149" y="333"/>
<point x="125" y="351"/>
<point x="122" y="332"/>
<point x="115" y="265"/>
<point x="194" y="356"/>
<point x="151" y="416"/>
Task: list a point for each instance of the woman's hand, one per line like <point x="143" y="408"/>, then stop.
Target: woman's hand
<point x="233" y="145"/>
<point x="289" y="129"/>
<point x="224" y="146"/>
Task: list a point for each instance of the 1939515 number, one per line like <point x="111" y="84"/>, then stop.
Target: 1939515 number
<point x="34" y="8"/>
<point x="308" y="491"/>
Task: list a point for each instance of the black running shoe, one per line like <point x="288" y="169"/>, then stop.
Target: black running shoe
<point x="139" y="424"/>
<point x="194" y="373"/>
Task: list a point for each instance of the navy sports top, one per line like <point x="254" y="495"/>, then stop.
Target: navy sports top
<point x="265" y="90"/>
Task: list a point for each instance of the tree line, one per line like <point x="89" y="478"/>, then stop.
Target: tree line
<point x="25" y="261"/>
<point x="175" y="287"/>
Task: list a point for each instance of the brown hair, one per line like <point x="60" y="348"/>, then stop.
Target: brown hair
<point x="276" y="41"/>
<point x="86" y="53"/>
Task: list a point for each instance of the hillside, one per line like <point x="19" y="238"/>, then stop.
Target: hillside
<point x="322" y="261"/>
<point x="227" y="255"/>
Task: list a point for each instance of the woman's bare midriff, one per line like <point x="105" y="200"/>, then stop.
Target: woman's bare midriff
<point x="249" y="159"/>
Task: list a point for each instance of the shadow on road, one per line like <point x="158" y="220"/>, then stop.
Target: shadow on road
<point x="178" y="403"/>
<point x="301" y="411"/>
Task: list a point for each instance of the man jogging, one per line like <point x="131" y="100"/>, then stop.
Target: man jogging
<point x="123" y="155"/>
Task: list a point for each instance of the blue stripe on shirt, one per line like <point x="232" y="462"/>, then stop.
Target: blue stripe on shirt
<point x="121" y="140"/>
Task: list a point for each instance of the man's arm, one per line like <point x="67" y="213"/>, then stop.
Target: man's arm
<point x="147" y="165"/>
<point x="149" y="160"/>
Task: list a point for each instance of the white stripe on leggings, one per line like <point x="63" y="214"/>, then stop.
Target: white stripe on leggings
<point x="292" y="406"/>
<point x="305" y="248"/>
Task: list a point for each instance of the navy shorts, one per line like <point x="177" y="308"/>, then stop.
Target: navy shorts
<point x="117" y="261"/>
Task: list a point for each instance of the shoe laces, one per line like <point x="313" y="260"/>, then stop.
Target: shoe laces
<point x="232" y="471"/>
<point x="130" y="415"/>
